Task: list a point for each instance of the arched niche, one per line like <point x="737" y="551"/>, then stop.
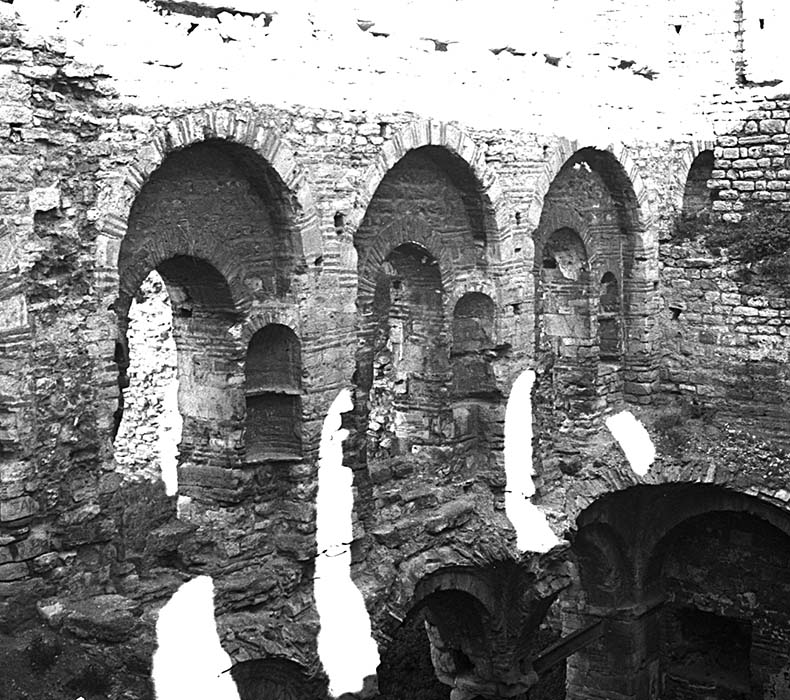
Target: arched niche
<point x="697" y="198"/>
<point x="220" y="201"/>
<point x="410" y="359"/>
<point x="203" y="314"/>
<point x="473" y="324"/>
<point x="564" y="294"/>
<point x="474" y="385"/>
<point x="436" y="185"/>
<point x="216" y="221"/>
<point x="593" y="195"/>
<point x="724" y="624"/>
<point x="609" y="319"/>
<point x="146" y="443"/>
<point x="273" y="387"/>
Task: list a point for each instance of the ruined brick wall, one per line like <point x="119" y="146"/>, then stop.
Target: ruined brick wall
<point x="272" y="221"/>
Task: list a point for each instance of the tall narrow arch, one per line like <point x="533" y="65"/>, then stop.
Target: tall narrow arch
<point x="218" y="223"/>
<point x="426" y="225"/>
<point x="593" y="194"/>
<point x="609" y="318"/>
<point x="203" y="314"/>
<point x="407" y="374"/>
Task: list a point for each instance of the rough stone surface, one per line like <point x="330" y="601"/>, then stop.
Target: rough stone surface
<point x="425" y="265"/>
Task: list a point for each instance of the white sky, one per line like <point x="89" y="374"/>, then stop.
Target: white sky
<point x="347" y="650"/>
<point x="533" y="533"/>
<point x="189" y="661"/>
<point x="633" y="439"/>
<point x="314" y="53"/>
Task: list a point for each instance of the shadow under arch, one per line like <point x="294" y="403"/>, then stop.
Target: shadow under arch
<point x="464" y="161"/>
<point x="706" y="561"/>
<point x="605" y="572"/>
<point x="443" y="636"/>
<point x="277" y="678"/>
<point x="257" y="142"/>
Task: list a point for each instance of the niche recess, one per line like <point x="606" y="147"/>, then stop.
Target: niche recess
<point x="273" y="395"/>
<point x="565" y="296"/>
<point x="706" y="651"/>
<point x="609" y="315"/>
<point x="474" y="384"/>
<point x="697" y="198"/>
<point x="410" y="354"/>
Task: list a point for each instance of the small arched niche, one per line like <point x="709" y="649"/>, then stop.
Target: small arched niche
<point x="564" y="280"/>
<point x="609" y="319"/>
<point x="697" y="198"/>
<point x="273" y="371"/>
<point x="473" y="347"/>
<point x="473" y="324"/>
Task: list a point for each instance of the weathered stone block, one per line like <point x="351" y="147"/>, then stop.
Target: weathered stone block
<point x="16" y="114"/>
<point x="772" y="126"/>
<point x="106" y="618"/>
<point x="44" y="198"/>
<point x="13" y="312"/>
<point x="13" y="571"/>
<point x="17" y="509"/>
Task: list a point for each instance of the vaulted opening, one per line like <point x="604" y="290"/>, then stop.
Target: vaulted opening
<point x="410" y="354"/>
<point x="442" y="638"/>
<point x="609" y="319"/>
<point x="699" y="564"/>
<point x="697" y="198"/>
<point x="273" y="380"/>
<point x="592" y="295"/>
<point x="202" y="312"/>
<point x="706" y="650"/>
<point x="146" y="444"/>
<point x="217" y="223"/>
<point x="565" y="295"/>
<point x="473" y="347"/>
<point x="276" y="677"/>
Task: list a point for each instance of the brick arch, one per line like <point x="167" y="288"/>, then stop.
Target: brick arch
<point x="277" y="677"/>
<point x="242" y="128"/>
<point x="699" y="500"/>
<point x="265" y="317"/>
<point x="564" y="151"/>
<point x="214" y="255"/>
<point x="427" y="132"/>
<point x="695" y="497"/>
<point x="560" y="217"/>
<point x="464" y="287"/>
<point x="461" y="579"/>
<point x="396" y="234"/>
<point x="687" y="158"/>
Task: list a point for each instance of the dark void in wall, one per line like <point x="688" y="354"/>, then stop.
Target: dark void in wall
<point x="273" y="394"/>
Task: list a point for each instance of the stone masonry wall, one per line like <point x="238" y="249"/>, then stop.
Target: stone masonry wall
<point x="88" y="555"/>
